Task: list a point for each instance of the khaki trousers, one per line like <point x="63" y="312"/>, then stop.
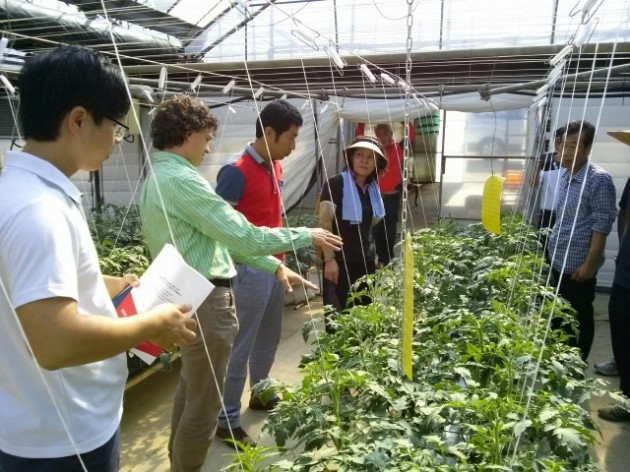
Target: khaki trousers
<point x="198" y="397"/>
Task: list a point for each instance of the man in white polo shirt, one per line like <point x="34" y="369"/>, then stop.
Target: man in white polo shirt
<point x="63" y="371"/>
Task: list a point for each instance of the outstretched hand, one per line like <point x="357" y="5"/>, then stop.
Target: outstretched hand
<point x="326" y="239"/>
<point x="288" y="278"/>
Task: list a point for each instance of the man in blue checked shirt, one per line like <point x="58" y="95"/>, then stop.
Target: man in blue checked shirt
<point x="585" y="214"/>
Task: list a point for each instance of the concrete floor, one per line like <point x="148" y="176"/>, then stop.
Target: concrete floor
<point x="145" y="425"/>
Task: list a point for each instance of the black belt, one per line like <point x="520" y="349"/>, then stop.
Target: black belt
<point x="221" y="282"/>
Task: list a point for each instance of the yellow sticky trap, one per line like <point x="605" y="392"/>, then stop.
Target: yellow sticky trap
<point x="407" y="324"/>
<point x="491" y="204"/>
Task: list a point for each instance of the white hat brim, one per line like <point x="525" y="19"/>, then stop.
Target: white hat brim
<point x="367" y="145"/>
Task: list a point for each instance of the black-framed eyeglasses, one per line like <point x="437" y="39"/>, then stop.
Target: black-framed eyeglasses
<point x="122" y="130"/>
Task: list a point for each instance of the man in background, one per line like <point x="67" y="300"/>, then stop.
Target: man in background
<point x="585" y="214"/>
<point x="252" y="184"/>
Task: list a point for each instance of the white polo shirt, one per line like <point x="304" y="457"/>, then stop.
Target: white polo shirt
<point x="46" y="251"/>
<point x="549" y="187"/>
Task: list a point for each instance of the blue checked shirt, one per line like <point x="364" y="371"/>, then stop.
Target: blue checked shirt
<point x="578" y="219"/>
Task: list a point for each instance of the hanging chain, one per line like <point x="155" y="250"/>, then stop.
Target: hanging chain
<point x="407" y="151"/>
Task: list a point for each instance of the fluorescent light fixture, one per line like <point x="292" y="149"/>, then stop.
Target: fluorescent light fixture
<point x="3" y="46"/>
<point x="556" y="72"/>
<point x="304" y="34"/>
<point x="230" y="85"/>
<point x="334" y="56"/>
<point x="585" y="33"/>
<point x="403" y="85"/>
<point x="148" y="96"/>
<point x="542" y="89"/>
<point x="568" y="49"/>
<point x="243" y="4"/>
<point x="196" y="83"/>
<point x="7" y="84"/>
<point x="387" y="78"/>
<point x="367" y="73"/>
<point x="145" y="90"/>
<point x="589" y="5"/>
<point x="162" y="79"/>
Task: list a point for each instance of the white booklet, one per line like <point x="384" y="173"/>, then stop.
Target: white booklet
<point x="169" y="279"/>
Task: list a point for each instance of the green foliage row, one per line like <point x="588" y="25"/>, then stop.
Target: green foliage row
<point x="493" y="388"/>
<point x="303" y="258"/>
<point x="117" y="234"/>
<point x="120" y="244"/>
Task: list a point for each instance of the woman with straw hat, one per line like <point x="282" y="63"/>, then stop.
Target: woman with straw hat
<point x="350" y="205"/>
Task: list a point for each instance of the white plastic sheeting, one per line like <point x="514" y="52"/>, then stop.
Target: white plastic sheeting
<point x="387" y="110"/>
<point x="237" y="128"/>
<point x="471" y="102"/>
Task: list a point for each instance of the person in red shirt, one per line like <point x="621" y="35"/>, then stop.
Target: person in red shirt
<point x="412" y="132"/>
<point x="390" y="184"/>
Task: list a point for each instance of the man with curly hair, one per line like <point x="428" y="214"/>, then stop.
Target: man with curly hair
<point x="178" y="206"/>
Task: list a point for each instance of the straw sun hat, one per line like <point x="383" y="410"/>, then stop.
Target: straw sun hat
<point x="373" y="145"/>
<point x="623" y="136"/>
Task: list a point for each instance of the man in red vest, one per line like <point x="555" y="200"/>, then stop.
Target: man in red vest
<point x="253" y="185"/>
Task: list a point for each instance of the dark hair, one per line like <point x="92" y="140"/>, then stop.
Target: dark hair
<point x="278" y="115"/>
<point x="53" y="83"/>
<point x="381" y="162"/>
<point x="585" y="130"/>
<point x="559" y="133"/>
<point x="177" y="118"/>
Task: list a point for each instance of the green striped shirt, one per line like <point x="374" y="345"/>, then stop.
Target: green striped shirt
<point x="178" y="206"/>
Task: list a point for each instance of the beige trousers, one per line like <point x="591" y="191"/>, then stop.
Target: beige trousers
<point x="198" y="397"/>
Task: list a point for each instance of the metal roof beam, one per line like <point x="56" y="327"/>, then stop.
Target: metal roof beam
<point x="141" y="15"/>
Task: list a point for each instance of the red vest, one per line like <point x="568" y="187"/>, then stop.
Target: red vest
<point x="261" y="202"/>
<point x="392" y="177"/>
